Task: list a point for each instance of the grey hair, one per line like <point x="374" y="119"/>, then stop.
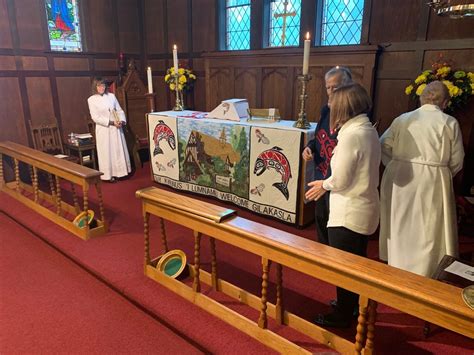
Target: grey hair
<point x="435" y="93"/>
<point x="344" y="72"/>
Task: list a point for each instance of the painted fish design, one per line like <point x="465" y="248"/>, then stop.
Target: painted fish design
<point x="275" y="159"/>
<point x="162" y="131"/>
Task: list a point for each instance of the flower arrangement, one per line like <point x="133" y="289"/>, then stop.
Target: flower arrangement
<point x="459" y="83"/>
<point x="186" y="79"/>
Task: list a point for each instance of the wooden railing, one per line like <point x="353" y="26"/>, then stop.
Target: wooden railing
<point x="54" y="170"/>
<point x="428" y="299"/>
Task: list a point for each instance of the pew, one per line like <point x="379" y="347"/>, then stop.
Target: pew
<point x="55" y="169"/>
<point x="375" y="282"/>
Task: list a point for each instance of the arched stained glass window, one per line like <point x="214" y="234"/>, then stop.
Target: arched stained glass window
<point x="341" y="22"/>
<point x="237" y="24"/>
<point x="285" y="19"/>
<point x="63" y="25"/>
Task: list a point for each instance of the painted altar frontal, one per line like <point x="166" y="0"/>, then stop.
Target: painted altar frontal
<point x="256" y="166"/>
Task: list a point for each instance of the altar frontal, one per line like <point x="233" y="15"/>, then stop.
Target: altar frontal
<point x="253" y="165"/>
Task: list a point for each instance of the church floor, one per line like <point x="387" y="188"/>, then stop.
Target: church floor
<point x="112" y="268"/>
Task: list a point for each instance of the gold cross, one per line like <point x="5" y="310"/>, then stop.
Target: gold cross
<point x="284" y="14"/>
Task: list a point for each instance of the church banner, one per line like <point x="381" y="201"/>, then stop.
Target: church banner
<point x="253" y="165"/>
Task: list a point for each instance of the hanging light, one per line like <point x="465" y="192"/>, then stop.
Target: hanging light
<point x="453" y="8"/>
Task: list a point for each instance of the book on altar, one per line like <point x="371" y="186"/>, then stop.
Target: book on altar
<point x="232" y="109"/>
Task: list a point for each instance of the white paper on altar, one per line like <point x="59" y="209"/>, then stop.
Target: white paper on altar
<point x="462" y="270"/>
<point x="232" y="109"/>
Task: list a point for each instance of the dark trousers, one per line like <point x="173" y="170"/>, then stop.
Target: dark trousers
<point x="321" y="218"/>
<point x="355" y="243"/>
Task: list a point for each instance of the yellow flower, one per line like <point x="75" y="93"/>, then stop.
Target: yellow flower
<point x="420" y="79"/>
<point x="180" y="87"/>
<point x="180" y="71"/>
<point x="167" y="77"/>
<point x="172" y="86"/>
<point x="192" y="76"/>
<point x="420" y="89"/>
<point x="182" y="79"/>
<point x="427" y="72"/>
<point x="472" y="88"/>
<point x="471" y="77"/>
<point x="408" y="89"/>
<point x="443" y="71"/>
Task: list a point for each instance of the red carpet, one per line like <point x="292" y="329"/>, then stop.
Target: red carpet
<point x="117" y="260"/>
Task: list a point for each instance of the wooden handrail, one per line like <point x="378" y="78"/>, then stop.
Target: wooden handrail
<point x="56" y="169"/>
<point x="428" y="299"/>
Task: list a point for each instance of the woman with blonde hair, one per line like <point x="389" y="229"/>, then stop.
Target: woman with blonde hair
<point x="109" y="118"/>
<point x="354" y="198"/>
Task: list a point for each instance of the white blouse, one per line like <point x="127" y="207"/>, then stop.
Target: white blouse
<point x="354" y="200"/>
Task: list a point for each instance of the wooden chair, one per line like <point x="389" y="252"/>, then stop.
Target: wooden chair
<point x="47" y="138"/>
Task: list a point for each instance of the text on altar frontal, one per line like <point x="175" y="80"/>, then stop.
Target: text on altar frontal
<point x="225" y="196"/>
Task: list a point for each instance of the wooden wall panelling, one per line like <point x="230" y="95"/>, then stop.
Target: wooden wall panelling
<point x="5" y="38"/>
<point x="219" y="86"/>
<point x="7" y="63"/>
<point x="275" y="83"/>
<point x="30" y="16"/>
<point x="12" y="120"/>
<point x="203" y="27"/>
<point x="178" y="18"/>
<point x="460" y="58"/>
<point x="71" y="63"/>
<point x="40" y="100"/>
<point x="394" y="20"/>
<point x="107" y="64"/>
<point x="155" y="24"/>
<point x="34" y="63"/>
<point x="72" y="95"/>
<point x="448" y="28"/>
<point x="101" y="22"/>
<point x="247" y="85"/>
<point x="129" y="26"/>
<point x="158" y="67"/>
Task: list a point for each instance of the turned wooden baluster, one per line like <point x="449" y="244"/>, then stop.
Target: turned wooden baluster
<point x="279" y="294"/>
<point x="197" y="261"/>
<point x="2" y="181"/>
<point x="85" y="192"/>
<point x="74" y="198"/>
<point x="30" y="168"/>
<point x="361" y="324"/>
<point x="35" y="184"/>
<point x="17" y="175"/>
<point x="262" y="320"/>
<point x="98" y="187"/>
<point x="51" y="185"/>
<point x="58" y="196"/>
<point x="164" y="241"/>
<point x="146" y="227"/>
<point x="369" y="344"/>
<point x="213" y="263"/>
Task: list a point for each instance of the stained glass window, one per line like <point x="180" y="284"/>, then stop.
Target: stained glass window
<point x="63" y="25"/>
<point x="341" y="22"/>
<point x="285" y="18"/>
<point x="237" y="24"/>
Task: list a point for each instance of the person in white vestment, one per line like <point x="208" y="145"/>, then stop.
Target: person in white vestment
<point x="422" y="151"/>
<point x="354" y="199"/>
<point x="109" y="118"/>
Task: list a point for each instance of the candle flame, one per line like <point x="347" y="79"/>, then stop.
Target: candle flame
<point x="175" y="47"/>
<point x="307" y="35"/>
<point x="149" y="68"/>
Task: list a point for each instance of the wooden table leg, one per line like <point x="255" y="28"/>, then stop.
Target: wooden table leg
<point x="164" y="241"/>
<point x="361" y="324"/>
<point x="146" y="227"/>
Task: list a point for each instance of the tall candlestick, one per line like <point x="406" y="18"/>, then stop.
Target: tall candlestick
<point x="175" y="59"/>
<point x="307" y="45"/>
<point x="150" y="81"/>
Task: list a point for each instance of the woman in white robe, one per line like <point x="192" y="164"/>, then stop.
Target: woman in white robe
<point x="422" y="151"/>
<point x="109" y="118"/>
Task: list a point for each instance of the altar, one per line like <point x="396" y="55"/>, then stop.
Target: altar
<point x="255" y="165"/>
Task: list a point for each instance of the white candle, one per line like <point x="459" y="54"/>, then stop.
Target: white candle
<point x="175" y="59"/>
<point x="307" y="45"/>
<point x="150" y="80"/>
